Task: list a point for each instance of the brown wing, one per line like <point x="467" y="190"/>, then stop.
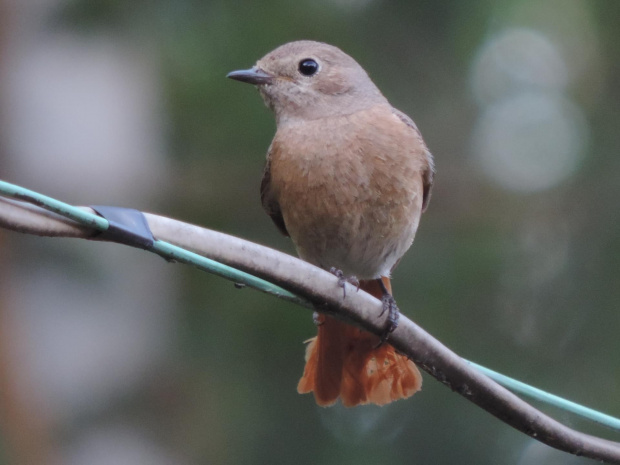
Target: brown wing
<point x="270" y="204"/>
<point x="429" y="173"/>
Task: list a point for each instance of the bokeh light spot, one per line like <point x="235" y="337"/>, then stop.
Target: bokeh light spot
<point x="531" y="141"/>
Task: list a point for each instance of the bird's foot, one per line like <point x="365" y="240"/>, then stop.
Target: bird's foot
<point x="389" y="306"/>
<point x="342" y="280"/>
<point x="393" y="313"/>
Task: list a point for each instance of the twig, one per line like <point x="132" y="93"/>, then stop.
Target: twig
<point x="318" y="286"/>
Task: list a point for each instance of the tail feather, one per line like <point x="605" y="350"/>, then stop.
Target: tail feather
<point x="344" y="362"/>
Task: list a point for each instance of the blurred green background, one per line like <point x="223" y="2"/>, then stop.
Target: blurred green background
<point x="109" y="355"/>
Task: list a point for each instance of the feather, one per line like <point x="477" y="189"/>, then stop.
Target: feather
<point x="344" y="362"/>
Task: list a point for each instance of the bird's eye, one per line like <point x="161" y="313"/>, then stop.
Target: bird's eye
<point x="308" y="67"/>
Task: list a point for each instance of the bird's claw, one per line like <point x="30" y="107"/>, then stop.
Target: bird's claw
<point x="393" y="315"/>
<point x="342" y="280"/>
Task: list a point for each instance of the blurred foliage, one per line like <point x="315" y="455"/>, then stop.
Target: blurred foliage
<point x="230" y="396"/>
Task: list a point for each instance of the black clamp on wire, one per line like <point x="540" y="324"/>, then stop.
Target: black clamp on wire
<point x="127" y="226"/>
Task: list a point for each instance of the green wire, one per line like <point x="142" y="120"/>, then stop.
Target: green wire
<point x="56" y="206"/>
<point x="165" y="249"/>
<point x="173" y="252"/>
<point x="551" y="399"/>
<point x="179" y="254"/>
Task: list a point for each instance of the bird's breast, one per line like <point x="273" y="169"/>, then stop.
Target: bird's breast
<point x="350" y="190"/>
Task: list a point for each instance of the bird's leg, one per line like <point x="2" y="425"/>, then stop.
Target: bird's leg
<point x="342" y="280"/>
<point x="389" y="306"/>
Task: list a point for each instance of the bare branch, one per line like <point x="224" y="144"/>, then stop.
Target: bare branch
<point x="29" y="219"/>
<point x="359" y="308"/>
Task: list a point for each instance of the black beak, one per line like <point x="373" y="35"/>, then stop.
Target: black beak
<point x="253" y="75"/>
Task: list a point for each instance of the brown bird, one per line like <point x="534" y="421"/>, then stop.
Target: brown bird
<point x="347" y="178"/>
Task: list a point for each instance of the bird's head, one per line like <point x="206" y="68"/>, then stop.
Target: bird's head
<point x="307" y="80"/>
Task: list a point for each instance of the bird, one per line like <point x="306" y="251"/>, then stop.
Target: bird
<point x="347" y="177"/>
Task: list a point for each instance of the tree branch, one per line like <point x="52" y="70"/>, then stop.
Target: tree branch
<point x="359" y="308"/>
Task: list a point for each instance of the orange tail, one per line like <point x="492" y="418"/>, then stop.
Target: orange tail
<point x="344" y="361"/>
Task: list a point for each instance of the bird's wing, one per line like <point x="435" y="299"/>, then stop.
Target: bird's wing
<point x="270" y="204"/>
<point x="429" y="172"/>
